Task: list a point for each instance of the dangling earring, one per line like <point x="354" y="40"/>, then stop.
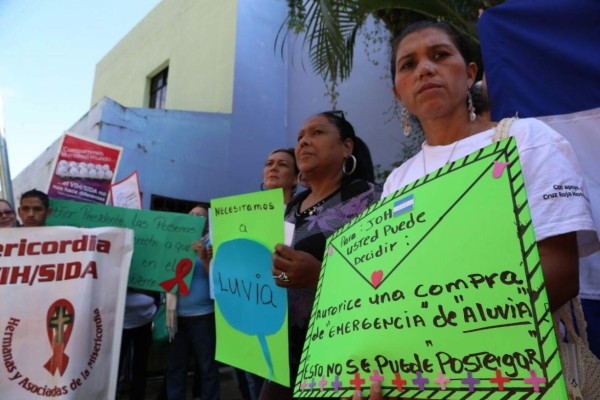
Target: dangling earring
<point x="405" y="121"/>
<point x="353" y="165"/>
<point x="262" y="186"/>
<point x="470" y="106"/>
<point x="300" y="178"/>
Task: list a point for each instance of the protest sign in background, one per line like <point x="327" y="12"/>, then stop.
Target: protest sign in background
<point x="62" y="292"/>
<point x="437" y="292"/>
<point x="126" y="193"/>
<point x="251" y="311"/>
<point x="84" y="169"/>
<point x="163" y="256"/>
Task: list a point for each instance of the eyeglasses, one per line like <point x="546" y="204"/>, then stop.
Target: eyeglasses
<point x="339" y="113"/>
<point x="7" y="213"/>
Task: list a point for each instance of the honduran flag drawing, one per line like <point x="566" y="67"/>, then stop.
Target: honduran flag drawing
<point x="542" y="59"/>
<point x="403" y="205"/>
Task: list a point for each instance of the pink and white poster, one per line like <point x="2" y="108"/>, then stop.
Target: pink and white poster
<point x="126" y="193"/>
<point x="84" y="169"/>
<point x="62" y="291"/>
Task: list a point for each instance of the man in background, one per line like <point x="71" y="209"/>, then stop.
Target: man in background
<point x="34" y="208"/>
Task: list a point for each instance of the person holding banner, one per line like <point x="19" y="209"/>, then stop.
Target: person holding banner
<point x="8" y="218"/>
<point x="337" y="164"/>
<point x="280" y="171"/>
<point x="136" y="340"/>
<point x="34" y="208"/>
<point x="195" y="330"/>
<point x="432" y="72"/>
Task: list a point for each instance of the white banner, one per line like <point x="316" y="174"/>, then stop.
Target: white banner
<point x="62" y="296"/>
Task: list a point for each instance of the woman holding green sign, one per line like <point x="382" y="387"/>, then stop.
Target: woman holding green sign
<point x="433" y="73"/>
<point x="279" y="172"/>
<point x="336" y="166"/>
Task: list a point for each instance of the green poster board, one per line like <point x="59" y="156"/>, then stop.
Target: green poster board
<point x="250" y="309"/>
<point x="163" y="258"/>
<point x="437" y="292"/>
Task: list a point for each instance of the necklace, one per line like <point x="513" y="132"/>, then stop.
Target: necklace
<point x="315" y="207"/>
<point x="310" y="210"/>
<point x="447" y="161"/>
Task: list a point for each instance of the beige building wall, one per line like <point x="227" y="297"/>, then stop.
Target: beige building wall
<point x="194" y="38"/>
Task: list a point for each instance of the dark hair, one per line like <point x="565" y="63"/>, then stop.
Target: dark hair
<point x="292" y="154"/>
<point x="364" y="162"/>
<point x="455" y="36"/>
<point x="480" y="99"/>
<point x="34" y="193"/>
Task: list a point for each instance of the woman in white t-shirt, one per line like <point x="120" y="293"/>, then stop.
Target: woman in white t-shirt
<point x="433" y="74"/>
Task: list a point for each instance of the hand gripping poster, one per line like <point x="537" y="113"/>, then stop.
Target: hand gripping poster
<point x="437" y="292"/>
<point x="84" y="169"/>
<point x="62" y="294"/>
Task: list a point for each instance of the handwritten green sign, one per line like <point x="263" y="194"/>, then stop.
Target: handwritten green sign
<point x="437" y="292"/>
<point x="163" y="240"/>
<point x="251" y="311"/>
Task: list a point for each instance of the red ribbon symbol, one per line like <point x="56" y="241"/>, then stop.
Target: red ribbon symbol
<point x="183" y="268"/>
<point x="59" y="324"/>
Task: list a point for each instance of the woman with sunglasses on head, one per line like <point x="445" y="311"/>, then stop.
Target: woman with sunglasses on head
<point x="8" y="218"/>
<point x="433" y="72"/>
<point x="339" y="168"/>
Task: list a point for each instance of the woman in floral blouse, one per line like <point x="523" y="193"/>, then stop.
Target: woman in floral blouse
<point x="336" y="166"/>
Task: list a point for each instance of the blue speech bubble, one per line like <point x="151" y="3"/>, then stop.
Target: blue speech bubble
<point x="246" y="293"/>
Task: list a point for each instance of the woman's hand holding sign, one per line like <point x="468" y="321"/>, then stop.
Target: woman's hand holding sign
<point x="295" y="268"/>
<point x="204" y="252"/>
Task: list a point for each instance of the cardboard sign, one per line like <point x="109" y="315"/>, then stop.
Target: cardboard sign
<point x="250" y="309"/>
<point x="62" y="291"/>
<point x="437" y="292"/>
<point x="84" y="169"/>
<point x="163" y="256"/>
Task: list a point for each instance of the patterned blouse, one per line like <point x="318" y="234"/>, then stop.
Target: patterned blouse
<point x="313" y="226"/>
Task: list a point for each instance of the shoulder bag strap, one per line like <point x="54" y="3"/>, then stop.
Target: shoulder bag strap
<point x="503" y="128"/>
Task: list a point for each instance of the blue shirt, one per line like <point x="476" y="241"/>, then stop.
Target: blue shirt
<point x="198" y="302"/>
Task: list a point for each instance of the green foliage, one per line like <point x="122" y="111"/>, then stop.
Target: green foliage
<point x="329" y="27"/>
<point x="296" y="16"/>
